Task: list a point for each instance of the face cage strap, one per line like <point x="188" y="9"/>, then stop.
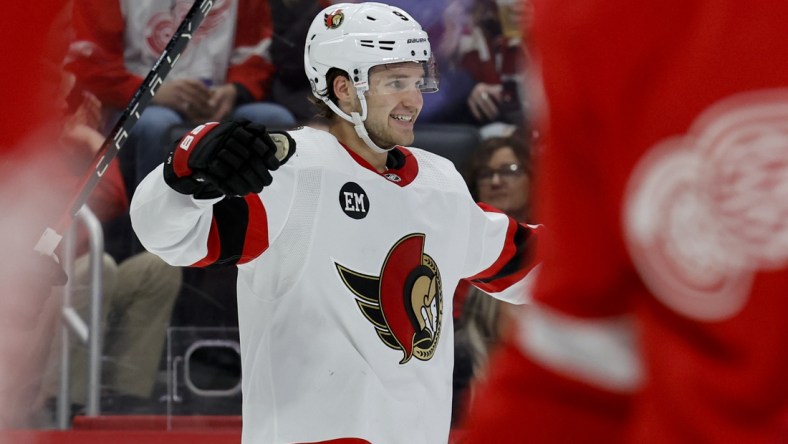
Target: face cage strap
<point x="358" y="121"/>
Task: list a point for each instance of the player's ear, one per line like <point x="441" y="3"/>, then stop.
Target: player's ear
<point x="345" y="92"/>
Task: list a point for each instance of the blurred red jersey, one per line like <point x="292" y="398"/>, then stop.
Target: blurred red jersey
<point x="661" y="310"/>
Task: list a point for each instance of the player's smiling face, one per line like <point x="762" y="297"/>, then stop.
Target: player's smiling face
<point x="394" y="101"/>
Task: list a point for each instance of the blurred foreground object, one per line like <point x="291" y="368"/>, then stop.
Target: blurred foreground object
<point x="660" y="313"/>
<point x="24" y="275"/>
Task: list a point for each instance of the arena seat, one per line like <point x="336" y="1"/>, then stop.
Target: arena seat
<point x="455" y="142"/>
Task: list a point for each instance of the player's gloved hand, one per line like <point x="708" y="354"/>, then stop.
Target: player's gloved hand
<point x="230" y="158"/>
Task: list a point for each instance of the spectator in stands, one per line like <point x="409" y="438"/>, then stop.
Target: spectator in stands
<point x="139" y="294"/>
<point x="225" y="71"/>
<point x="499" y="174"/>
<point x="493" y="58"/>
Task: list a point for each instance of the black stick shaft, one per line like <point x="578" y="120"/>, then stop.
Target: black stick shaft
<point x="117" y="137"/>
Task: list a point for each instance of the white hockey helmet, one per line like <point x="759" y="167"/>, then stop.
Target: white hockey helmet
<point x="356" y="37"/>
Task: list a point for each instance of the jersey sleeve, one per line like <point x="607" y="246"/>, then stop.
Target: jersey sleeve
<point x="501" y="260"/>
<point x="184" y="231"/>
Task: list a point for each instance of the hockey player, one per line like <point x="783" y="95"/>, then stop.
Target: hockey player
<point x="348" y="249"/>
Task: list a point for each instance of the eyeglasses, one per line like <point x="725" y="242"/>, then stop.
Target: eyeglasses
<point x="505" y="172"/>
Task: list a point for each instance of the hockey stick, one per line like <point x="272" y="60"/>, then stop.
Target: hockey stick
<point x="51" y="237"/>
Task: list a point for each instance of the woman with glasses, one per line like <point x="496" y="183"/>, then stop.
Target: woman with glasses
<point x="500" y="176"/>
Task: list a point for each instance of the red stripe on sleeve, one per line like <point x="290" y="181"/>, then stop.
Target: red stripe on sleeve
<point x="214" y="247"/>
<point x="488" y="208"/>
<point x="256" y="240"/>
<point x="180" y="160"/>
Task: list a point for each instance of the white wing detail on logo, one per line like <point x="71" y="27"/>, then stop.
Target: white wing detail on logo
<point x="704" y="212"/>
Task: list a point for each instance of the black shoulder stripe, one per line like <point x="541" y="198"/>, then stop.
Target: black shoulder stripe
<point x="231" y="216"/>
<point x="523" y="255"/>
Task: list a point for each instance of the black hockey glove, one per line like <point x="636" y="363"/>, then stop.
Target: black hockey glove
<point x="231" y="158"/>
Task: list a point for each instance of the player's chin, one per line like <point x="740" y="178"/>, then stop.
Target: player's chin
<point x="407" y="141"/>
<point x="403" y="137"/>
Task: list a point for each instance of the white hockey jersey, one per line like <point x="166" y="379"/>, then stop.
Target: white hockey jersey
<point x="345" y="284"/>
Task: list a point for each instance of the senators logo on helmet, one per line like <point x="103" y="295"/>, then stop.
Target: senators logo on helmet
<point x="334" y="19"/>
<point x="404" y="303"/>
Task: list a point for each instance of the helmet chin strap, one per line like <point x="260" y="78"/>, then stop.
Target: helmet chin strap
<point x="358" y="121"/>
<point x="361" y="130"/>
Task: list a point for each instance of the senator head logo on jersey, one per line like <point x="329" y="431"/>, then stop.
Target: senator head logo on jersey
<point x="405" y="303"/>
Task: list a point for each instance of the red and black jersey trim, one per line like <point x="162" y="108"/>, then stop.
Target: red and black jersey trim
<point x="400" y="162"/>
<point x="517" y="258"/>
<point x="239" y="232"/>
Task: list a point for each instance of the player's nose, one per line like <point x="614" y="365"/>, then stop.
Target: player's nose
<point x="412" y="99"/>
